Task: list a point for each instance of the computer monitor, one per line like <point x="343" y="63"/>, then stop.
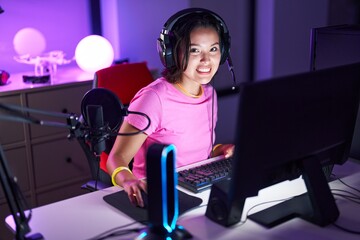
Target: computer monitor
<point x="332" y="46"/>
<point x="289" y="127"/>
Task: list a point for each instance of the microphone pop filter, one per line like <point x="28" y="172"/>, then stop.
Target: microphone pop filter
<point x="113" y="109"/>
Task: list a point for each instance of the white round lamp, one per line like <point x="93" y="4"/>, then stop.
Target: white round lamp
<point x="29" y="41"/>
<point x="93" y="53"/>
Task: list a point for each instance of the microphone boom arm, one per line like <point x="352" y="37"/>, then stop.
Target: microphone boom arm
<point x="19" y="116"/>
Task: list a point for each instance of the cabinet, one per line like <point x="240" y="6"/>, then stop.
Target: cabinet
<point x="49" y="167"/>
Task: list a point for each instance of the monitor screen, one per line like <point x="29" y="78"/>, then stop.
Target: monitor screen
<point x="332" y="46"/>
<point x="289" y="127"/>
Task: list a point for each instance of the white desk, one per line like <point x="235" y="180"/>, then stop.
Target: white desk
<point x="88" y="215"/>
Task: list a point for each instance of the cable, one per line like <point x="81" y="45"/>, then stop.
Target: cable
<point x="121" y="233"/>
<point x="140" y="131"/>
<point x="212" y="118"/>
<point x="354" y="197"/>
<point x="117" y="231"/>
<point x="351" y="197"/>
<point x="263" y="203"/>
<point x="346" y="229"/>
<point x="342" y="181"/>
<point x="247" y="213"/>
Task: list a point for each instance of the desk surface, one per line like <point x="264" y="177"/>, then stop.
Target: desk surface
<point x="87" y="216"/>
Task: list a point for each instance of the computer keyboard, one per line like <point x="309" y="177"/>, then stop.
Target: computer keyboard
<point x="201" y="177"/>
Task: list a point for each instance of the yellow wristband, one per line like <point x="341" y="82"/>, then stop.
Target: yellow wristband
<point x="216" y="146"/>
<point x="116" y="171"/>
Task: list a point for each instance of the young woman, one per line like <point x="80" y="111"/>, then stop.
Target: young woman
<point x="181" y="105"/>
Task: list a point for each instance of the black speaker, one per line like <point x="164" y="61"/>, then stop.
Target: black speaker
<point x="167" y="38"/>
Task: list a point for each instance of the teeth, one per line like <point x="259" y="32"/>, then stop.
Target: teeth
<point x="204" y="69"/>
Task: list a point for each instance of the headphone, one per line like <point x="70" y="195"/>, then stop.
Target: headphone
<point x="167" y="38"/>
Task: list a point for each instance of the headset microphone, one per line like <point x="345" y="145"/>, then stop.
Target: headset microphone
<point x="231" y="69"/>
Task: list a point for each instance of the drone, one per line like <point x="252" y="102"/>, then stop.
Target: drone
<point x="46" y="63"/>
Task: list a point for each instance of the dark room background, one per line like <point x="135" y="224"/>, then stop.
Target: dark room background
<point x="269" y="37"/>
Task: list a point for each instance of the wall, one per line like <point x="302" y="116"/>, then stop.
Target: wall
<point x="282" y="30"/>
<point x="135" y="26"/>
<point x="280" y="45"/>
<point x="283" y="35"/>
<point x="135" y="38"/>
<point x="237" y="16"/>
<point x="63" y="24"/>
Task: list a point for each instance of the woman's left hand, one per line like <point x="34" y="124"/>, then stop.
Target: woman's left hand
<point x="224" y="149"/>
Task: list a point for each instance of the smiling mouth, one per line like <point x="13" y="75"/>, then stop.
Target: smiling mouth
<point x="204" y="70"/>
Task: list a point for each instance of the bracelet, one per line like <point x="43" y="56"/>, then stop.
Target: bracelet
<point x="116" y="171"/>
<point x="216" y="146"/>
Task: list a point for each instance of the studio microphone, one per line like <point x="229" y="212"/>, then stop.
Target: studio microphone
<point x="103" y="115"/>
<point x="97" y="129"/>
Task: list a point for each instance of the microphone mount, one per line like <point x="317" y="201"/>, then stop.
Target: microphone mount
<point x="15" y="199"/>
<point x="78" y="128"/>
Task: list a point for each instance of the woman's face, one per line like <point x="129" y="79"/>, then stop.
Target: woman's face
<point x="204" y="57"/>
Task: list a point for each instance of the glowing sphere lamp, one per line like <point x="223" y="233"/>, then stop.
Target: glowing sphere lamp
<point x="29" y="41"/>
<point x="93" y="53"/>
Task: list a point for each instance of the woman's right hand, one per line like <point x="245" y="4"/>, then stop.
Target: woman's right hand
<point x="123" y="150"/>
<point x="133" y="188"/>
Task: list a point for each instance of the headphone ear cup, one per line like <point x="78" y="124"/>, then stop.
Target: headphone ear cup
<point x="161" y="50"/>
<point x="225" y="47"/>
<point x="165" y="50"/>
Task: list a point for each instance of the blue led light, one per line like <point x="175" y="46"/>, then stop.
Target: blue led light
<point x="164" y="157"/>
<point x="142" y="235"/>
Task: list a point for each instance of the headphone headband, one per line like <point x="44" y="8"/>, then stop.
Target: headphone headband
<point x="164" y="43"/>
